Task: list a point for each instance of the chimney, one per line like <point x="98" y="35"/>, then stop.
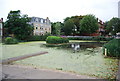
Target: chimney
<point x="47" y="18"/>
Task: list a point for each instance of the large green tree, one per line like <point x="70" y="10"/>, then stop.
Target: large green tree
<point x="53" y="28"/>
<point x="56" y="28"/>
<point x="89" y="24"/>
<point x="76" y="20"/>
<point x="17" y="24"/>
<point x="113" y="26"/>
<point x="68" y="27"/>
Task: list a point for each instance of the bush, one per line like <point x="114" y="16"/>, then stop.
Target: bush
<point x="38" y="38"/>
<point x="56" y="40"/>
<point x="113" y="48"/>
<point x="80" y="38"/>
<point x="10" y="40"/>
<point x="97" y="38"/>
<point x="101" y="38"/>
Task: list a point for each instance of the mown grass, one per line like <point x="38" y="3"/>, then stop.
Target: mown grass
<point x="83" y="62"/>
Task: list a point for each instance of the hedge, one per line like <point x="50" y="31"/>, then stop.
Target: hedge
<point x="97" y="38"/>
<point x="113" y="48"/>
<point x="38" y="37"/>
<point x="56" y="40"/>
<point x="10" y="40"/>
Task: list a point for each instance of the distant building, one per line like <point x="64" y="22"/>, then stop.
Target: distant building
<point x="101" y="30"/>
<point x="119" y="9"/>
<point x="41" y="26"/>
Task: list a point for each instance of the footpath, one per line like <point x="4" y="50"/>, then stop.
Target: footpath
<point x="28" y="72"/>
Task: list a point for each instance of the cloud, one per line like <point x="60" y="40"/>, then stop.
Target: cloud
<point x="57" y="10"/>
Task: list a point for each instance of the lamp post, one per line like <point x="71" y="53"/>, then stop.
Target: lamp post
<point x="75" y="29"/>
<point x="113" y="30"/>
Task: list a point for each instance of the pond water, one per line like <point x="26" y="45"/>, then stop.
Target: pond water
<point x="80" y="45"/>
<point x="84" y="45"/>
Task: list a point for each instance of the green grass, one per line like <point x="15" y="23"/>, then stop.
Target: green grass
<point x="83" y="62"/>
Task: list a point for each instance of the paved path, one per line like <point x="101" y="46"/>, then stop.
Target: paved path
<point x="9" y="60"/>
<point x="27" y="72"/>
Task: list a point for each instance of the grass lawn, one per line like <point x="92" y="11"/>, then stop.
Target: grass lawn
<point x="83" y="62"/>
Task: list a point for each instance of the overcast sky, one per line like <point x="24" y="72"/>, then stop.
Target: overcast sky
<point x="57" y="10"/>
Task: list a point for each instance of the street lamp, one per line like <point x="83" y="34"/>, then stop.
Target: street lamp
<point x="113" y="30"/>
<point x="75" y="28"/>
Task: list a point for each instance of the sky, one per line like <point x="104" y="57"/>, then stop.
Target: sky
<point x="58" y="10"/>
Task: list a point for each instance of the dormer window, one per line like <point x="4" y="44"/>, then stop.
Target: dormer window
<point x="41" y="20"/>
<point x="36" y="27"/>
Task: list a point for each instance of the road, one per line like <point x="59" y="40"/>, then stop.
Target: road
<point x="29" y="72"/>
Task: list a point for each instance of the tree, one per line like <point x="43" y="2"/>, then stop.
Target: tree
<point x="113" y="26"/>
<point x="56" y="28"/>
<point x="18" y="25"/>
<point x="53" y="29"/>
<point x="76" y="20"/>
<point x="105" y="28"/>
<point x="88" y="24"/>
<point x="68" y="27"/>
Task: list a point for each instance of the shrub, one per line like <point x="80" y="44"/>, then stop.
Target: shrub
<point x="38" y="37"/>
<point x="101" y="38"/>
<point x="56" y="40"/>
<point x="10" y="40"/>
<point x="97" y="38"/>
<point x="113" y="48"/>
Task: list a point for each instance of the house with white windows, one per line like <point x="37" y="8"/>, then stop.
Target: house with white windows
<point x="41" y="26"/>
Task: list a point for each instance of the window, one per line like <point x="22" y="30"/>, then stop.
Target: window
<point x="36" y="27"/>
<point x="41" y="20"/>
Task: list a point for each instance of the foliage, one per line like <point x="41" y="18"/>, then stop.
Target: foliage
<point x="38" y="37"/>
<point x="76" y="21"/>
<point x="53" y="28"/>
<point x="56" y="28"/>
<point x="113" y="26"/>
<point x="56" y="40"/>
<point x="68" y="27"/>
<point x="10" y="40"/>
<point x="18" y="25"/>
<point x="57" y="45"/>
<point x="98" y="38"/>
<point x="105" y="27"/>
<point x="113" y="48"/>
<point x="89" y="24"/>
